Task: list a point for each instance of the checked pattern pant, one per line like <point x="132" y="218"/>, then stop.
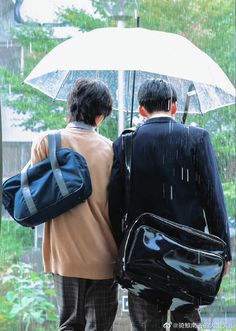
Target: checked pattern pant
<point x="85" y="304"/>
<point x="146" y="317"/>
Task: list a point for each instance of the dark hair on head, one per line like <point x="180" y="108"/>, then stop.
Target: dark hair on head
<point x="87" y="100"/>
<point x="156" y="95"/>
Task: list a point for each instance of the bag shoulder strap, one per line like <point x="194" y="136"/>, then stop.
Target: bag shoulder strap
<point x="26" y="190"/>
<point x="127" y="147"/>
<point x="54" y="143"/>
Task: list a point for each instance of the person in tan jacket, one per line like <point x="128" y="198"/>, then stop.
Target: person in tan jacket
<point x="78" y="245"/>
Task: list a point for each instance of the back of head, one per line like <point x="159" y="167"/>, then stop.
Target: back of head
<point x="87" y="100"/>
<point x="156" y="95"/>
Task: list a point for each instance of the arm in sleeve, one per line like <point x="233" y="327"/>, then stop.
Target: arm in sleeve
<point x="39" y="149"/>
<point x="117" y="208"/>
<point x="212" y="192"/>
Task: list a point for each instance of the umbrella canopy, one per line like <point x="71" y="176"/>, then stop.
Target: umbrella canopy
<point x="102" y="53"/>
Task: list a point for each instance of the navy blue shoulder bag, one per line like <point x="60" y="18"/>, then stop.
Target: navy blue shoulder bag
<point x="49" y="188"/>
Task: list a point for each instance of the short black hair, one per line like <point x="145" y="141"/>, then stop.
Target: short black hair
<point x="87" y="100"/>
<point x="156" y="95"/>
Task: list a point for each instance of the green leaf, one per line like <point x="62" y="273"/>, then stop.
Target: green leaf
<point x="11" y="296"/>
<point x="16" y="309"/>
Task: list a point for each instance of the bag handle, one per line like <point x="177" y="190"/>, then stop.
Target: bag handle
<point x="54" y="143"/>
<point x="26" y="190"/>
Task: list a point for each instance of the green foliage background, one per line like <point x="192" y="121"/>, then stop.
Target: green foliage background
<point x="26" y="297"/>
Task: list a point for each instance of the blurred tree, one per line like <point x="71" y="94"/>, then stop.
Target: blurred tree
<point x="42" y="112"/>
<point x="80" y="19"/>
<point x="207" y="23"/>
<point x="116" y="9"/>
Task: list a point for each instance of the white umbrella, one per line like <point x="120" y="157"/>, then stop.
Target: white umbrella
<point x="102" y="53"/>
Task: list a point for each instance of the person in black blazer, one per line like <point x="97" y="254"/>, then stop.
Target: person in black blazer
<point x="175" y="175"/>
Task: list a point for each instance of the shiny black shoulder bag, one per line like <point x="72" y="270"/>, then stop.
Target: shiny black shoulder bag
<point x="160" y="260"/>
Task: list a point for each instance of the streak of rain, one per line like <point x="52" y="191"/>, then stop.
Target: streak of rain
<point x="187" y="172"/>
<point x="170" y="127"/>
<point x="171" y="192"/>
<point x="177" y="154"/>
<point x="163" y="190"/>
<point x="18" y="245"/>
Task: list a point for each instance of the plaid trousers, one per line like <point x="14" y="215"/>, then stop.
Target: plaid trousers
<point x="86" y="304"/>
<point x="146" y="317"/>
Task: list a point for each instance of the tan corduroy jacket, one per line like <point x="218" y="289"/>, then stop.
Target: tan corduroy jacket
<point x="79" y="243"/>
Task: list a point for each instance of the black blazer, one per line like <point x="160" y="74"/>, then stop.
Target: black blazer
<point x="174" y="174"/>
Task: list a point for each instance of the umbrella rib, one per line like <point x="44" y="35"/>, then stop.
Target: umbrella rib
<point x="62" y="84"/>
<point x="191" y="91"/>
<point x="199" y="104"/>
